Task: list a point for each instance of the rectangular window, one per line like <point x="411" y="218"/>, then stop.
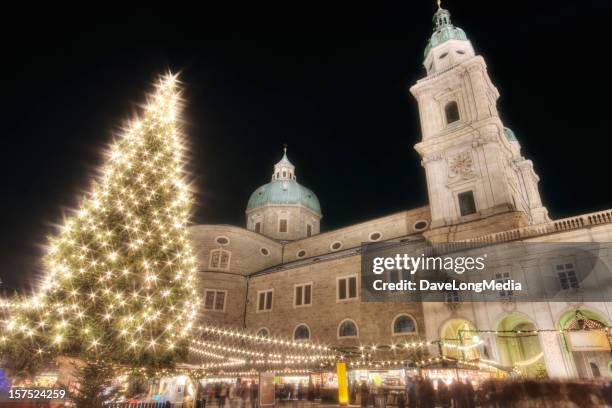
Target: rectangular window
<point x="308" y="230"/>
<point x="282" y="225"/>
<point x="451" y="296"/>
<point x="214" y="300"/>
<point x="395" y="275"/>
<point x="503" y="277"/>
<point x="258" y="227"/>
<point x="303" y="295"/>
<point x="467" y="205"/>
<point x="347" y="288"/>
<point x="264" y="300"/>
<point x="567" y="276"/>
<point x="219" y="259"/>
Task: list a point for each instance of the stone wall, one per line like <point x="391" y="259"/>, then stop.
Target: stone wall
<point x="374" y="320"/>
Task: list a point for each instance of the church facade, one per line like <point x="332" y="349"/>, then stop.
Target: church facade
<point x="280" y="275"/>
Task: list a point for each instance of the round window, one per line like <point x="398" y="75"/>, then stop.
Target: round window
<point x="420" y="225"/>
<point x="301" y="253"/>
<point x="222" y="240"/>
<point x="264" y="251"/>
<point x="336" y="245"/>
<point x="375" y="236"/>
<point x="263" y="332"/>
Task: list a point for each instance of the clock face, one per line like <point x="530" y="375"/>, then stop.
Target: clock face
<point x="462" y="164"/>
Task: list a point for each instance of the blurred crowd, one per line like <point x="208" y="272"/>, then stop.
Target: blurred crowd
<point x="234" y="395"/>
<point x="421" y="392"/>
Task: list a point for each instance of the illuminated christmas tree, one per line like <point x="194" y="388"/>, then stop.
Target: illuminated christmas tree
<point x="120" y="283"/>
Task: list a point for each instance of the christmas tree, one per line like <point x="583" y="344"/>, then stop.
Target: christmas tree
<point x="120" y="282"/>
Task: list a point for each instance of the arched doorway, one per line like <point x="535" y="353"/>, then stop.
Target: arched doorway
<point x="460" y="339"/>
<point x="519" y="347"/>
<point x="586" y="342"/>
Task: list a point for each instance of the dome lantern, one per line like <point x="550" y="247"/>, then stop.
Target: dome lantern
<point x="284" y="209"/>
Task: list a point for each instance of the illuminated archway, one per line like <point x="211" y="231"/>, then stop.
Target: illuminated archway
<point x="519" y="346"/>
<point x="460" y="339"/>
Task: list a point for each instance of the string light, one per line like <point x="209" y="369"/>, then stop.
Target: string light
<point x="128" y="232"/>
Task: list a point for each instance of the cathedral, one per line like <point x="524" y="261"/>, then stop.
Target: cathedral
<point x="280" y="275"/>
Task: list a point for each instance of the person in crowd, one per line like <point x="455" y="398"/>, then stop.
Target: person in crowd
<point x="364" y="394"/>
<point x="401" y="400"/>
<point x="606" y="393"/>
<point x="217" y="393"/>
<point x="254" y="395"/>
<point x="223" y="392"/>
<point x="353" y="388"/>
<point x="469" y="394"/>
<point x="455" y="393"/>
<point x="411" y="395"/>
<point x="425" y="392"/>
<point x="444" y="399"/>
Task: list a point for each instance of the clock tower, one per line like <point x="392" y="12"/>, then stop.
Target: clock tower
<point x="478" y="182"/>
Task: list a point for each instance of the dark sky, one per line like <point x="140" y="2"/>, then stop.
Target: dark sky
<point x="331" y="82"/>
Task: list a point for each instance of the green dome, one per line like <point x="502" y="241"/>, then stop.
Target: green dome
<point x="284" y="192"/>
<point x="510" y="135"/>
<point x="444" y="30"/>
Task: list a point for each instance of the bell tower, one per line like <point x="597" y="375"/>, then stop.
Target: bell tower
<point x="477" y="180"/>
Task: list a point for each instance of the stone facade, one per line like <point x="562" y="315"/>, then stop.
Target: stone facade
<point x="465" y="148"/>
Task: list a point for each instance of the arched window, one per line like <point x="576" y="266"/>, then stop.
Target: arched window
<point x="404" y="324"/>
<point x="219" y="259"/>
<point x="347" y="328"/>
<point x="302" y="332"/>
<point x="451" y="110"/>
<point x="263" y="332"/>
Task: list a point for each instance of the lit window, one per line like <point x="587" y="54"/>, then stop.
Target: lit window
<point x="503" y="277"/>
<point x="567" y="276"/>
<point x="219" y="259"/>
<point x="214" y="300"/>
<point x="451" y="110"/>
<point x="347" y="288"/>
<point x="302" y="332"/>
<point x="303" y="295"/>
<point x="282" y="225"/>
<point x="264" y="300"/>
<point x="347" y="328"/>
<point x="467" y="205"/>
<point x="404" y="324"/>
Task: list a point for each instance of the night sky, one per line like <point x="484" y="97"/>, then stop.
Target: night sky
<point x="331" y="82"/>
